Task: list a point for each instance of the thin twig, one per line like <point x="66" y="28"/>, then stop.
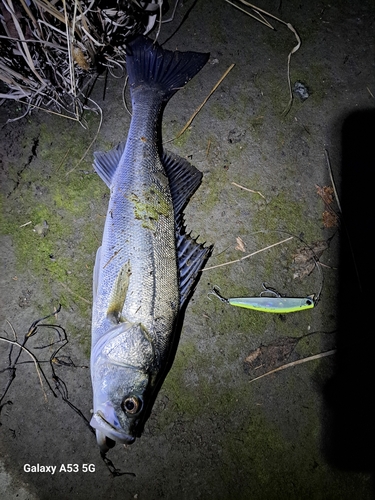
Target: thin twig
<point x="94" y="139"/>
<point x="74" y="293"/>
<point x="295" y="48"/>
<point x="203" y="103"/>
<point x="332" y="181"/>
<point x="26" y="224"/>
<point x="294" y="363"/>
<point x="247" y="256"/>
<point x="247" y="189"/>
<point x="262" y="20"/>
<point x="343" y="220"/>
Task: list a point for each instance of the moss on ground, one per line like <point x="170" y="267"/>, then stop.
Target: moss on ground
<point x="69" y="203"/>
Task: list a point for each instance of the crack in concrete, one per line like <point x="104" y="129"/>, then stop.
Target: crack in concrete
<point x="33" y="155"/>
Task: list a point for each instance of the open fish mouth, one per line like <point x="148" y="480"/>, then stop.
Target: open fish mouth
<point x="106" y="434"/>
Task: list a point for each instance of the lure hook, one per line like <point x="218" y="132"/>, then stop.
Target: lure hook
<point x="215" y="291"/>
<point x="269" y="289"/>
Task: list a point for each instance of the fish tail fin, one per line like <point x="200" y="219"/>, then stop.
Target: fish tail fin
<point x="151" y="66"/>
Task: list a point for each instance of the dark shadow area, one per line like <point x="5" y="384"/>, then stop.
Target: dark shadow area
<point x="349" y="434"/>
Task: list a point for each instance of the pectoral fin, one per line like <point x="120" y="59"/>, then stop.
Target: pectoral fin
<point x="118" y="294"/>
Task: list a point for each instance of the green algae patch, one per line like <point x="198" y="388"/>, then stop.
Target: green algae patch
<point x="150" y="207"/>
<point x="215" y="184"/>
<point x="53" y="217"/>
<point x="258" y="441"/>
<point x="185" y="400"/>
<point x="44" y="257"/>
<point x="181" y="140"/>
<point x="219" y="111"/>
<point x="192" y="385"/>
<point x="284" y="215"/>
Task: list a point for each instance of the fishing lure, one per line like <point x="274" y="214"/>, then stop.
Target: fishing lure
<point x="270" y="304"/>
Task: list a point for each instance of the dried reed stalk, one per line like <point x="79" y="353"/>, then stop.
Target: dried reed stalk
<point x="52" y="51"/>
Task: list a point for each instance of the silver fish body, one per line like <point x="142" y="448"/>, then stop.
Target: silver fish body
<point x="147" y="265"/>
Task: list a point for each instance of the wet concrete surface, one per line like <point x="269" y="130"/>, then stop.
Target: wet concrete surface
<point x="305" y="431"/>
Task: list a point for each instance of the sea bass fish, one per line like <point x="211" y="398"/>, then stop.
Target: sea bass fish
<point x="147" y="265"/>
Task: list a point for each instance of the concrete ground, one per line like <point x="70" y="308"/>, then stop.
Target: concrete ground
<point x="302" y="432"/>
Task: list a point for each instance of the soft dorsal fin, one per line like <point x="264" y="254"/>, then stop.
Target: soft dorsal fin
<point x="105" y="164"/>
<point x="184" y="179"/>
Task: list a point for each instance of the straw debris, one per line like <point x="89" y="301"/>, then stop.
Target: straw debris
<point x="52" y="51"/>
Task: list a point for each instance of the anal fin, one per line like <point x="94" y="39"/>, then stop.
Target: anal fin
<point x="105" y="164"/>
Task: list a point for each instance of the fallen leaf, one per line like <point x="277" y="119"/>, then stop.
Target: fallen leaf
<point x="326" y="193"/>
<point x="304" y="260"/>
<point x="240" y="244"/>
<point x="268" y="357"/>
<point x="330" y="219"/>
<point x="253" y="355"/>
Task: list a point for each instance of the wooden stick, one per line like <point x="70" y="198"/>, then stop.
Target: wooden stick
<point x="249" y="255"/>
<point x="294" y="363"/>
<point x="204" y="102"/>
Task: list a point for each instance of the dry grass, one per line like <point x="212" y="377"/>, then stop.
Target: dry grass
<point x="52" y="51"/>
<point x="260" y="18"/>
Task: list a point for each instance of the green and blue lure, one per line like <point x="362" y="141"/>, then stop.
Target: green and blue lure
<point x="269" y="304"/>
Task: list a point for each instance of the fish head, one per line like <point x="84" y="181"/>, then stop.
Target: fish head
<point x="121" y="366"/>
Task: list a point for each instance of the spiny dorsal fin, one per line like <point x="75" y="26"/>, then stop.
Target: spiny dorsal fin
<point x="184" y="179"/>
<point x="191" y="257"/>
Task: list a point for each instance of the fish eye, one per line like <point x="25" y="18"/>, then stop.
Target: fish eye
<point x="131" y="405"/>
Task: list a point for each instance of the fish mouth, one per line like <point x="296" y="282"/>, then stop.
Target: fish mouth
<point x="106" y="434"/>
<point x="105" y="442"/>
